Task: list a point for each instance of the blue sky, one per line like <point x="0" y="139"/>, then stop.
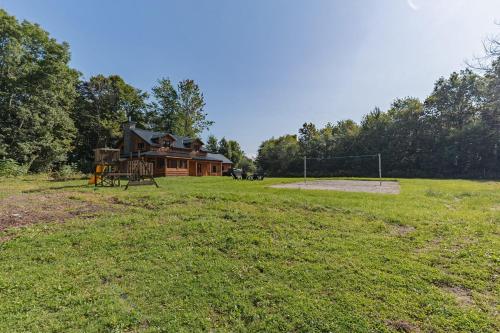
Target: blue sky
<point x="267" y="66"/>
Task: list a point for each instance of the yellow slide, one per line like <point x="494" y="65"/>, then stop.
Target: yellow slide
<point x="99" y="168"/>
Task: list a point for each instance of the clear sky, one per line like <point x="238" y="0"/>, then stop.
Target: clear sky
<point x="267" y="66"/>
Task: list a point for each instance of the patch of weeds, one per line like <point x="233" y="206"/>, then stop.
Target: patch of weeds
<point x="433" y="193"/>
<point x="465" y="195"/>
<point x="235" y="216"/>
<point x="140" y="202"/>
<point x="207" y="197"/>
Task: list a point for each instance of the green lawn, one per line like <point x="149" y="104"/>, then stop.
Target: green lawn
<point x="213" y="254"/>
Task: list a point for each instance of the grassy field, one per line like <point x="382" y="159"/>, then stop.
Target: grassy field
<point x="213" y="254"/>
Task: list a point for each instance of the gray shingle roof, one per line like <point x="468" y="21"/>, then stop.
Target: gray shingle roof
<point x="180" y="142"/>
<point x="148" y="136"/>
<point x="219" y="157"/>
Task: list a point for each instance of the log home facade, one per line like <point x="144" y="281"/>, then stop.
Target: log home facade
<point x="171" y="155"/>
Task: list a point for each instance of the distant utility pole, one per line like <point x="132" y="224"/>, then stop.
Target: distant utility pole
<point x="380" y="168"/>
<point x="305" y="169"/>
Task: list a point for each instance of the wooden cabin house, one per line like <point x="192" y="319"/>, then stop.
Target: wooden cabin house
<point x="171" y="155"/>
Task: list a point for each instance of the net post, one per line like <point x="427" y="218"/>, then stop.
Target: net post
<point x="305" y="170"/>
<point x="380" y="169"/>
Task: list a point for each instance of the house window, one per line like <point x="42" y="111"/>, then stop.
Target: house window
<point x="140" y="145"/>
<point x="172" y="164"/>
<point x="214" y="168"/>
<point x="166" y="144"/>
<point x="183" y="164"/>
<point x="161" y="163"/>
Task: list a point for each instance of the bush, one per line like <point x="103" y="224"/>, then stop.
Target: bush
<point x="67" y="171"/>
<point x="10" y="168"/>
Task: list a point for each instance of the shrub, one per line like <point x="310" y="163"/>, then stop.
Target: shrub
<point x="67" y="171"/>
<point x="10" y="168"/>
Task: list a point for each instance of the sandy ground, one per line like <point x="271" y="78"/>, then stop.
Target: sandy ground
<point x="369" y="186"/>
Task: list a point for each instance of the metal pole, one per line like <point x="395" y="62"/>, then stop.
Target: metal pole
<point x="380" y="169"/>
<point x="305" y="170"/>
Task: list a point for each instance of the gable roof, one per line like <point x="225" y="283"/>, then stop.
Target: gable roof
<point x="219" y="157"/>
<point x="149" y="136"/>
<point x="180" y="142"/>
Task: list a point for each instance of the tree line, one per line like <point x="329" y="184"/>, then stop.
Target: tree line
<point x="50" y="116"/>
<point x="454" y="132"/>
<point x="232" y="150"/>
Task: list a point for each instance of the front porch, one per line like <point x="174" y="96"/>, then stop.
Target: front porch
<point x="173" y="166"/>
<point x="205" y="168"/>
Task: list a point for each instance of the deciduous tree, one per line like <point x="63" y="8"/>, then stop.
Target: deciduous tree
<point x="179" y="111"/>
<point x="37" y="93"/>
<point x="103" y="105"/>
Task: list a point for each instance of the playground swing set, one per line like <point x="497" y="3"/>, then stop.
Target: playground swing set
<point x="109" y="169"/>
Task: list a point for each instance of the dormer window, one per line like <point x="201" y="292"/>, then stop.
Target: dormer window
<point x="167" y="143"/>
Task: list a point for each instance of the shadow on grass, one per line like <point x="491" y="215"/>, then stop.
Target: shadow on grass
<point x="38" y="190"/>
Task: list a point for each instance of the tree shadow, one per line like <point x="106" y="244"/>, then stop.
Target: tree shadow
<point x="64" y="187"/>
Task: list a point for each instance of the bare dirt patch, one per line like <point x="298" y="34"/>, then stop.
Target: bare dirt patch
<point x="402" y="326"/>
<point x="431" y="245"/>
<point x="462" y="295"/>
<point x="368" y="186"/>
<point x="401" y="230"/>
<point x="27" y="209"/>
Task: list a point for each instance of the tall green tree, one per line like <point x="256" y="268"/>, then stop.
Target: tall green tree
<point x="373" y="133"/>
<point x="223" y="147"/>
<point x="191" y="116"/>
<point x="309" y="140"/>
<point x="179" y="111"/>
<point x="212" y="144"/>
<point x="407" y="139"/>
<point x="236" y="154"/>
<point x="490" y="118"/>
<point x="247" y="164"/>
<point x="164" y="112"/>
<point x="231" y="149"/>
<point x="103" y="105"/>
<point x="37" y="92"/>
<point x="453" y="110"/>
<point x="280" y="156"/>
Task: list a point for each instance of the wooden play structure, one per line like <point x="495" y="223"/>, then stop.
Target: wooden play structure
<point x="108" y="169"/>
<point x="140" y="173"/>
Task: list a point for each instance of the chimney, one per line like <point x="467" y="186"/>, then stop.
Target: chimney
<point x="127" y="137"/>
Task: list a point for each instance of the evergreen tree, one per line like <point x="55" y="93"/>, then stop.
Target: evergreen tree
<point x="212" y="145"/>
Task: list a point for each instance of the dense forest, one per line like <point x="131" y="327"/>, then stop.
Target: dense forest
<point x="50" y="117"/>
<point x="455" y="132"/>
